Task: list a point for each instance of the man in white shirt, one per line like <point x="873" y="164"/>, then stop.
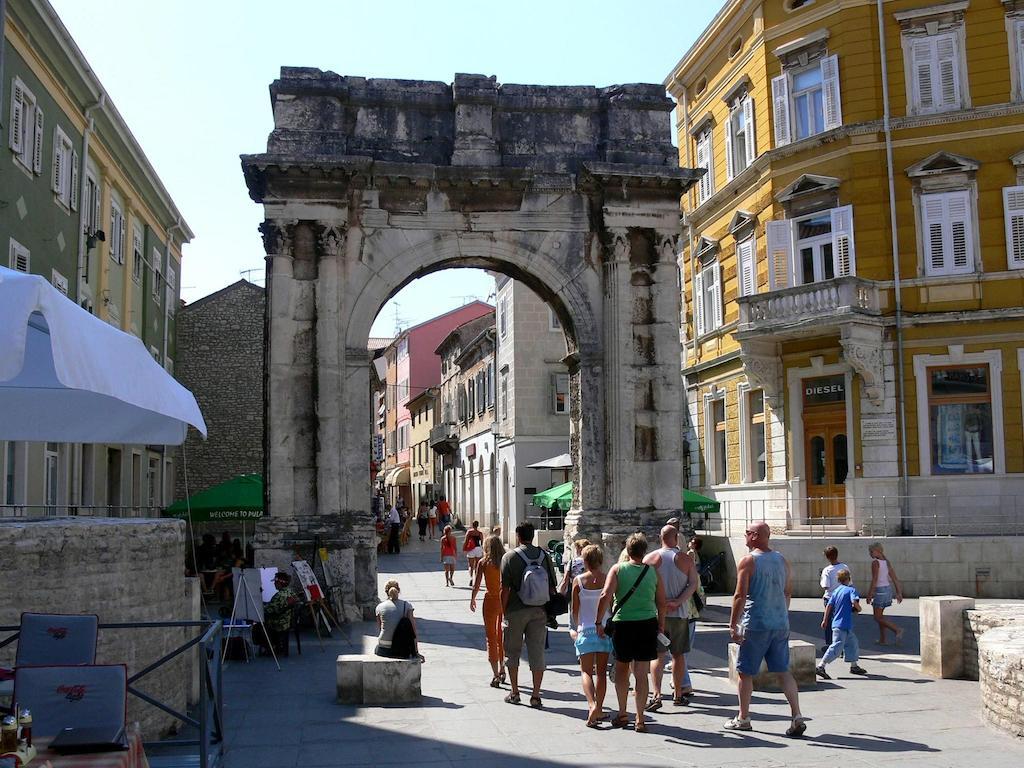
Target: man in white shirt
<point x="829" y="581"/>
<point x="395" y="528"/>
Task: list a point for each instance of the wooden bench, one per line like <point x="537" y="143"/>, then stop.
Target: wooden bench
<point x="370" y="679"/>
<point x="801" y="664"/>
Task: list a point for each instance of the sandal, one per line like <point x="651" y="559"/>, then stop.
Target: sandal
<point x="620" y="721"/>
<point x="653" y="705"/>
<point x="680" y="701"/>
<point x="501" y="677"/>
<point x="512" y="698"/>
<point x="738" y="724"/>
<point x="535" y="702"/>
<point x="796" y="730"/>
<point x="640" y="726"/>
<point x="495" y="683"/>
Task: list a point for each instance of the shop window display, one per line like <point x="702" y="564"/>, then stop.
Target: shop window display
<point x="960" y="420"/>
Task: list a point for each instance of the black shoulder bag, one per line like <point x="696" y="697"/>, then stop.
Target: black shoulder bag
<point x="609" y="625"/>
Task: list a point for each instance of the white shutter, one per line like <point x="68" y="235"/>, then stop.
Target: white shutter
<point x="831" y="102"/>
<point x="729" y="165"/>
<point x="698" y="301"/>
<point x="716" y="293"/>
<point x="120" y="239"/>
<point x="19" y="257"/>
<point x="948" y="233"/>
<point x="74" y="181"/>
<point x="704" y="188"/>
<point x="960" y="234"/>
<point x="780" y="108"/>
<point x="932" y="213"/>
<point x="37" y="143"/>
<point x="95" y="223"/>
<point x="748" y="127"/>
<point x="17" y="126"/>
<point x="842" y="241"/>
<point x="780" y="253"/>
<point x="746" y="267"/>
<point x="1013" y="210"/>
<point x="57" y="182"/>
<point x="922" y="54"/>
<point x="948" y="69"/>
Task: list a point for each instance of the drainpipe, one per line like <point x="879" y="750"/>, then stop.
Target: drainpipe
<point x="83" y="211"/>
<point x="3" y="27"/>
<point x="168" y="300"/>
<point x="906" y="525"/>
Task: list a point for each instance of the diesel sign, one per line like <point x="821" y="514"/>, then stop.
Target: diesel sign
<point x="827" y="389"/>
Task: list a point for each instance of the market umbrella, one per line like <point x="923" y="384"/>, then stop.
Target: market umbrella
<point x="694" y="503"/>
<point x="237" y="500"/>
<point x="562" y="461"/>
<point x="558" y="497"/>
<point x="66" y="376"/>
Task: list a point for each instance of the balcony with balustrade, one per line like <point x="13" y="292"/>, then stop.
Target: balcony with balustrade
<point x="444" y="438"/>
<point x="805" y="310"/>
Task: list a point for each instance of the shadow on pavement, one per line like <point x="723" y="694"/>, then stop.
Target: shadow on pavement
<point x="870" y="742"/>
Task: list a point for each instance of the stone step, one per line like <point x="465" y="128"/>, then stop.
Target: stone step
<point x="832" y="531"/>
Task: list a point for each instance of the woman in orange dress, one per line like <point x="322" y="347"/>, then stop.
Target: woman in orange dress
<point x="489" y="573"/>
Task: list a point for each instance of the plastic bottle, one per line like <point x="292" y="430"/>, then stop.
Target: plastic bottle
<point x="25" y="721"/>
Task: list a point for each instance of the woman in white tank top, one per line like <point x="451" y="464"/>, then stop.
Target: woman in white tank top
<point x="591" y="650"/>
<point x="884" y="584"/>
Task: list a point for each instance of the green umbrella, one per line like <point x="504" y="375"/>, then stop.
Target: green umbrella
<point x="694" y="503"/>
<point x="559" y="497"/>
<point x="239" y="499"/>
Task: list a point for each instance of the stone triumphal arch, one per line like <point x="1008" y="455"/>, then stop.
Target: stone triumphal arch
<point x="367" y="184"/>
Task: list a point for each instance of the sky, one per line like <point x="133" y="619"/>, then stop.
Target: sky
<point x="191" y="77"/>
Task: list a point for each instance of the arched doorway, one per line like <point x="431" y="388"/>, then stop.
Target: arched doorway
<point x="368" y="184"/>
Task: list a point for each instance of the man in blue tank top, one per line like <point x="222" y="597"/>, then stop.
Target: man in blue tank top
<point x="759" y="623"/>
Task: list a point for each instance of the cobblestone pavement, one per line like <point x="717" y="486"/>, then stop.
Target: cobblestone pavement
<point x="895" y="716"/>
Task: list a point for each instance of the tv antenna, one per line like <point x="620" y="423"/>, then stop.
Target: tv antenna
<point x="246" y="272"/>
<point x="399" y="320"/>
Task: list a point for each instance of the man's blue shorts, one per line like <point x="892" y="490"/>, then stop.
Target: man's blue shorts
<point x="769" y="645"/>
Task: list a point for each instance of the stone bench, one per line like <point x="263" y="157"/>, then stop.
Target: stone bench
<point x="366" y="678"/>
<point x="1001" y="671"/>
<point x="801" y="664"/>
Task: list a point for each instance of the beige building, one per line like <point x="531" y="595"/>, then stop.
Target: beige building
<point x="424" y="409"/>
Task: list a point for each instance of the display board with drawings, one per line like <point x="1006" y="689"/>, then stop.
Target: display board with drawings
<point x="307" y="578"/>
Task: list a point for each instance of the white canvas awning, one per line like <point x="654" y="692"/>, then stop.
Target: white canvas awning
<point x="562" y="461"/>
<point x="67" y="376"/>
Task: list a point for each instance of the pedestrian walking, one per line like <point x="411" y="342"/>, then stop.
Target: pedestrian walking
<point x="448" y="554"/>
<point x="421" y="518"/>
<point x="695" y="608"/>
<point x="444" y="512"/>
<point x="527" y="580"/>
<point x="759" y="623"/>
<point x="394" y="530"/>
<point x="576" y="566"/>
<point x="636" y="620"/>
<point x="843" y="603"/>
<point x="473" y="546"/>
<point x="488" y="573"/>
<point x="591" y="649"/>
<point x="828" y="583"/>
<point x="679" y="580"/>
<point x="884" y="584"/>
<point x="432" y="519"/>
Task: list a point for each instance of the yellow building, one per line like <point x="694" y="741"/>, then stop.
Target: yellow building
<point x="423" y="475"/>
<point x="852" y="276"/>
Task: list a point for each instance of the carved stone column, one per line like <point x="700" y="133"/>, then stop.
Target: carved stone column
<point x="862" y="349"/>
<point x="763" y="368"/>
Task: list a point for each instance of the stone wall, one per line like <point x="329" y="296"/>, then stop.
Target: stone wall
<point x="980" y="620"/>
<point x="1001" y="656"/>
<point x="123" y="570"/>
<point x="220" y="358"/>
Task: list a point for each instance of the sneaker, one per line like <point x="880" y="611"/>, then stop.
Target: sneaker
<point x="738" y="724"/>
<point x="856" y="669"/>
<point x="820" y="671"/>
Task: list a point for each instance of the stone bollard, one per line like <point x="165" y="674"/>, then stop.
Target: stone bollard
<point x="801" y="664"/>
<point x="1001" y="672"/>
<point x="942" y="634"/>
<point x="370" y="679"/>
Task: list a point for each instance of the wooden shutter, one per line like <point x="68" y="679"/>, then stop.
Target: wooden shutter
<point x="729" y="165"/>
<point x="704" y="160"/>
<point x="922" y="65"/>
<point x="120" y="239"/>
<point x="57" y="181"/>
<point x="17" y="126"/>
<point x="716" y="293"/>
<point x="780" y="253"/>
<point x="960" y="231"/>
<point x="842" y="241"/>
<point x="1013" y="210"/>
<point x="932" y="210"/>
<point x="746" y="267"/>
<point x="748" y="126"/>
<point x="37" y="143"/>
<point x="948" y="233"/>
<point x="831" y="102"/>
<point x="74" y="181"/>
<point x="948" y="69"/>
<point x="19" y="257"/>
<point x="780" y="109"/>
<point x="698" y="301"/>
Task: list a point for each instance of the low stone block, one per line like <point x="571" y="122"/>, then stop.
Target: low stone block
<point x="1001" y="673"/>
<point x="942" y="634"/>
<point x="371" y="679"/>
<point x="801" y="664"/>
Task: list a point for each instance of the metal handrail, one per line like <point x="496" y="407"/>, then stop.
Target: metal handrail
<point x="210" y="688"/>
<point x="46" y="511"/>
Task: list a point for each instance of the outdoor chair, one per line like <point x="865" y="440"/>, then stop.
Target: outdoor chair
<point x="52" y="638"/>
<point x="81" y="696"/>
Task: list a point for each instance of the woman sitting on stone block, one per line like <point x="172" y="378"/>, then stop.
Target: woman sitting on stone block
<point x="397" y="639"/>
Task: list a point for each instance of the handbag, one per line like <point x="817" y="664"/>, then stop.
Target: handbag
<point x="698" y="602"/>
<point x="609" y="625"/>
<point x="557" y="604"/>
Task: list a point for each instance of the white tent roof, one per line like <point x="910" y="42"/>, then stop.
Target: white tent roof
<point x="67" y="376"/>
<point x="562" y="461"/>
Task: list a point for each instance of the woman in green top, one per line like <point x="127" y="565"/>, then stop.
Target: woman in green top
<point x="638" y="619"/>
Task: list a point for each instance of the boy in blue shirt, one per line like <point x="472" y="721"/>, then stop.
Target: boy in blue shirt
<point x="842" y="604"/>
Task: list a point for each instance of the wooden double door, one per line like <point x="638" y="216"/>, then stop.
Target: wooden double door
<point x="827" y="463"/>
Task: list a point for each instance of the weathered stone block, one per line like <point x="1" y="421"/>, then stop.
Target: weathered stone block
<point x="942" y="634"/>
<point x="801" y="664"/>
<point x="370" y="679"/>
<point x="1001" y="666"/>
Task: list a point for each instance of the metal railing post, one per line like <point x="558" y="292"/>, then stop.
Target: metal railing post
<point x="204" y="725"/>
<point x="935" y="515"/>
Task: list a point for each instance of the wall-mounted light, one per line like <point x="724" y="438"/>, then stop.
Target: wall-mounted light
<point x="91" y="238"/>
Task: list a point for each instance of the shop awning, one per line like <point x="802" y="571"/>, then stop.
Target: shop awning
<point x="558" y="497"/>
<point x="562" y="461"/>
<point x="240" y="498"/>
<point x="397" y="476"/>
<point x="696" y="504"/>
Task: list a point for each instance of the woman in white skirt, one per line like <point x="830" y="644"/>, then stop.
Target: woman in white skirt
<point x="473" y="546"/>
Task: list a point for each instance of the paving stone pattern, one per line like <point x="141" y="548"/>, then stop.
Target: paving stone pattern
<point x="894" y="716"/>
